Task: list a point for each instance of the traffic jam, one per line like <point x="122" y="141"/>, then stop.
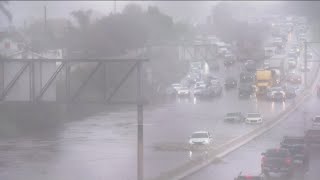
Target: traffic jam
<point x="277" y="78"/>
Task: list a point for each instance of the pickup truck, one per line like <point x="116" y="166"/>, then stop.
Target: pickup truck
<point x="297" y="148"/>
<point x="312" y="136"/>
<point x="277" y="161"/>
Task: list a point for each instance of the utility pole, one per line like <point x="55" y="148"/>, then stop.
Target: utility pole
<point x="45" y="19"/>
<point x="140" y="123"/>
<point x="115" y="6"/>
<point x="305" y="66"/>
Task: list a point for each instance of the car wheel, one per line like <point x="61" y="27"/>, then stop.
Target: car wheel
<point x="289" y="174"/>
<point x="266" y="173"/>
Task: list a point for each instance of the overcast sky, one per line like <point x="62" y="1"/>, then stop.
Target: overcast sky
<point x="193" y="11"/>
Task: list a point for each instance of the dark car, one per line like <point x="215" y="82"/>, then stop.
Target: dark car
<point x="245" y="90"/>
<point x="279" y="96"/>
<point x="229" y="60"/>
<point x="277" y="161"/>
<point x="234" y="117"/>
<point x="297" y="148"/>
<point x="214" y="90"/>
<point x="246" y="77"/>
<point x="230" y="83"/>
<point x="294" y="78"/>
<point x="290" y="92"/>
<point x="250" y="66"/>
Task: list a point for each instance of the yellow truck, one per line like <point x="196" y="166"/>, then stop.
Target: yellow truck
<point x="264" y="80"/>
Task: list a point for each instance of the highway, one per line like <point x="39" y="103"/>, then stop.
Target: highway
<point x="103" y="146"/>
<point x="247" y="158"/>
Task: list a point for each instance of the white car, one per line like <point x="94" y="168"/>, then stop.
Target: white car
<point x="200" y="138"/>
<point x="316" y="121"/>
<point x="292" y="62"/>
<point x="176" y="86"/>
<point x="200" y="84"/>
<point x="183" y="91"/>
<point x="253" y="118"/>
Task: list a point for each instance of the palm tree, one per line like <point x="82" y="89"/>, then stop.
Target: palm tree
<point x="4" y="10"/>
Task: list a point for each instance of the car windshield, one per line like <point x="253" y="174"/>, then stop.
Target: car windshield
<point x="293" y="141"/>
<point x="253" y="115"/>
<point x="230" y="80"/>
<point x="276" y="89"/>
<point x="199" y="135"/>
<point x="278" y="94"/>
<point x="200" y="88"/>
<point x="248" y="177"/>
<point x="183" y="89"/>
<point x="277" y="153"/>
<point x="232" y="114"/>
<point x="176" y="85"/>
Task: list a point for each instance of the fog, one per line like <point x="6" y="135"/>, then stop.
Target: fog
<point x="159" y="90"/>
<point x="33" y="10"/>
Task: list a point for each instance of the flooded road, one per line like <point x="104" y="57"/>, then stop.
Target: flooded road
<point x="103" y="146"/>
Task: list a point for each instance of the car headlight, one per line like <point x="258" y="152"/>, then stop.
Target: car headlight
<point x="206" y="141"/>
<point x="191" y="142"/>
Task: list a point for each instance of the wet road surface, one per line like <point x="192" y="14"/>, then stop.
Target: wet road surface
<point x="104" y="146"/>
<point x="247" y="158"/>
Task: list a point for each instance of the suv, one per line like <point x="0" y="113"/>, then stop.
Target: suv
<point x="277" y="161"/>
<point x="294" y="78"/>
<point x="234" y="117"/>
<point x="274" y="90"/>
<point x="297" y="148"/>
<point x="279" y="96"/>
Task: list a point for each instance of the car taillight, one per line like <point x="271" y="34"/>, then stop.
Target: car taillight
<point x="288" y="161"/>
<point x="248" y="177"/>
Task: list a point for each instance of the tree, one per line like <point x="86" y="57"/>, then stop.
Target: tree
<point x="4" y="10"/>
<point x="83" y="18"/>
<point x="132" y="9"/>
